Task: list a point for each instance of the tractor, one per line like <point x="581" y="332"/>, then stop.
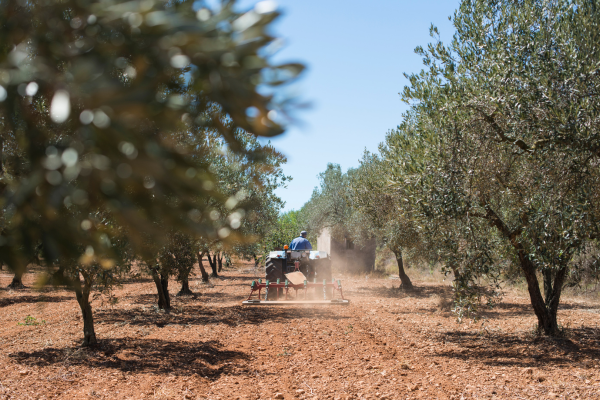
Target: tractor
<point x="301" y="270"/>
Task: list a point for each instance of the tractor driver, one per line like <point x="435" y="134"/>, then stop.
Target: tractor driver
<point x="301" y="242"/>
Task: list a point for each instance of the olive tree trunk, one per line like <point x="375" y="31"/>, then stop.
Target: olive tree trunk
<point x="184" y="278"/>
<point x="545" y="310"/>
<point x="1" y="158"/>
<point x="82" y="293"/>
<point x="185" y="287"/>
<point x="17" y="281"/>
<point x="201" y="266"/>
<point x="406" y="283"/>
<point x="162" y="287"/>
<point x="220" y="261"/>
<point x="213" y="265"/>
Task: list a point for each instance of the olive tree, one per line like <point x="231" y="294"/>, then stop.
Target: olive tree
<point x="250" y="181"/>
<point x="501" y="142"/>
<point x="90" y="95"/>
<point x="98" y="269"/>
<point x="379" y="211"/>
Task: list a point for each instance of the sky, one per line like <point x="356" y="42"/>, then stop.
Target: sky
<point x="356" y="54"/>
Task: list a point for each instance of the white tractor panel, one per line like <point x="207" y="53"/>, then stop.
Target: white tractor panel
<point x="277" y="254"/>
<point x="315" y="255"/>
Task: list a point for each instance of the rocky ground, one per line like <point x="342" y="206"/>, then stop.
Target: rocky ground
<point x="387" y="344"/>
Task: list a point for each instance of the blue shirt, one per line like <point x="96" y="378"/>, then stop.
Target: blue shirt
<point x="300" y="243"/>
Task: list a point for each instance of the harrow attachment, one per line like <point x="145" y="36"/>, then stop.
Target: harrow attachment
<point x="272" y="289"/>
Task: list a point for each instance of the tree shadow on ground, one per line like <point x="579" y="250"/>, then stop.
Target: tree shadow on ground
<point x="40" y="298"/>
<point x="578" y="347"/>
<point x="503" y="310"/>
<point x="227" y="284"/>
<point x="137" y="279"/>
<point x="198" y="294"/>
<point x="151" y="298"/>
<point x="399" y="292"/>
<point x="231" y="278"/>
<point x="220" y="297"/>
<point x="577" y="306"/>
<point x="147" y="298"/>
<point x="205" y="315"/>
<point x="155" y="356"/>
<point x="506" y="309"/>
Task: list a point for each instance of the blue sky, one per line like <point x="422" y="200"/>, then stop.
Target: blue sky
<point x="356" y="54"/>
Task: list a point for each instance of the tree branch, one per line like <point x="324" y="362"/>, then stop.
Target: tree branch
<point x="500" y="132"/>
<point x="503" y="228"/>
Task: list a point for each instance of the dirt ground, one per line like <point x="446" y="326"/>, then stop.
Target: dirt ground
<point x="387" y="344"/>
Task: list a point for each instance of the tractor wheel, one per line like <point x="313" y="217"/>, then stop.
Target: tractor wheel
<point x="274" y="271"/>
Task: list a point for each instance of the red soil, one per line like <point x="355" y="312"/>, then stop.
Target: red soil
<point x="385" y="344"/>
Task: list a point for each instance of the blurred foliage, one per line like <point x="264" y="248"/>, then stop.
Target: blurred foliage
<point x="257" y="180"/>
<point x="109" y="106"/>
<point x="128" y="133"/>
